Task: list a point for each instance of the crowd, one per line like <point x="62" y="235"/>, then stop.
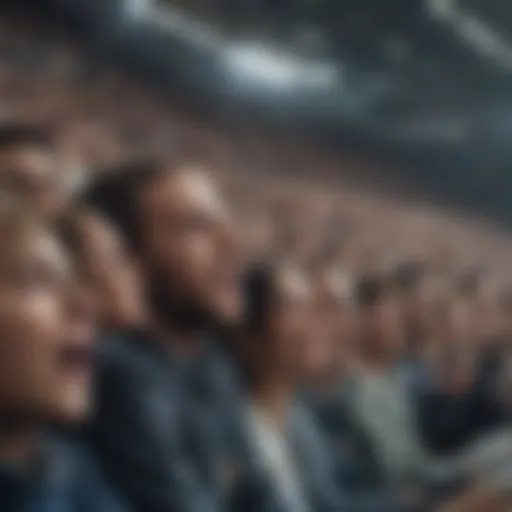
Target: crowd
<point x="180" y="334"/>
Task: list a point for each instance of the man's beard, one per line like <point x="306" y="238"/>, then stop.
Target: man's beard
<point x="19" y="418"/>
<point x="184" y="314"/>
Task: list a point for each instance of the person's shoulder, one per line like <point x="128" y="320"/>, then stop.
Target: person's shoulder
<point x="132" y="351"/>
<point x="130" y="365"/>
<point x="74" y="468"/>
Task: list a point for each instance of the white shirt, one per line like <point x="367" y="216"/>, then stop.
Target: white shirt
<point x="382" y="408"/>
<point x="277" y="458"/>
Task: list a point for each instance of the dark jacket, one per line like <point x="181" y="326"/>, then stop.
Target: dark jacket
<point x="317" y="463"/>
<point x="449" y="424"/>
<point x="357" y="466"/>
<point x="161" y="427"/>
<point x="64" y="480"/>
<point x="358" y="472"/>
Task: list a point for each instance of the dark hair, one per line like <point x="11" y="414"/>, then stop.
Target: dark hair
<point x="18" y="134"/>
<point x="408" y="275"/>
<point x="259" y="290"/>
<point x="371" y="288"/>
<point x="115" y="196"/>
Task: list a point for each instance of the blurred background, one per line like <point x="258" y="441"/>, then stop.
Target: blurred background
<point x="360" y="133"/>
<point x="407" y="97"/>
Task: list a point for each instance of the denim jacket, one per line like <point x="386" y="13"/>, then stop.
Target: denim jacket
<point x="65" y="480"/>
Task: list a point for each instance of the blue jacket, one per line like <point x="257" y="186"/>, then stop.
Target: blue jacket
<point x="66" y="480"/>
<point x="162" y="425"/>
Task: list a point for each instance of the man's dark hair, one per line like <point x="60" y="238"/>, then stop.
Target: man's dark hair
<point x="370" y="289"/>
<point x="115" y="196"/>
<point x="13" y="135"/>
<point x="259" y="288"/>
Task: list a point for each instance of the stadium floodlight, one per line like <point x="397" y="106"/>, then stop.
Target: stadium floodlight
<point x="256" y="63"/>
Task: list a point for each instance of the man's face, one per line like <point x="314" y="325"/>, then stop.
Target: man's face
<point x="189" y="244"/>
<point x="46" y="331"/>
<point x="31" y="174"/>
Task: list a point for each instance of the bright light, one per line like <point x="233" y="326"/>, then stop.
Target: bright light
<point x="256" y="62"/>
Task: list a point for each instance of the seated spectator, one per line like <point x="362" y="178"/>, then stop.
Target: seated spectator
<point x="356" y="467"/>
<point x="460" y="404"/>
<point x="380" y="404"/>
<point x="46" y="357"/>
<point x="379" y="400"/>
<point x="165" y="395"/>
<point x="30" y="168"/>
<point x="294" y="465"/>
<point x="295" y="470"/>
<point x="336" y="320"/>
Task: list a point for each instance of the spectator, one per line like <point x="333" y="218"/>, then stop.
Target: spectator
<point x="460" y="405"/>
<point x="295" y="469"/>
<point x="356" y="466"/>
<point x="379" y="395"/>
<point x="164" y="413"/>
<point x="46" y="358"/>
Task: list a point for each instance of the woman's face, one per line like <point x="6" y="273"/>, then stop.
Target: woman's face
<point x="290" y="328"/>
<point x="335" y="324"/>
<point x="46" y="330"/>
